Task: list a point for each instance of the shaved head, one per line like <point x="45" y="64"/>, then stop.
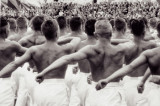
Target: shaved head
<point x="103" y="26"/>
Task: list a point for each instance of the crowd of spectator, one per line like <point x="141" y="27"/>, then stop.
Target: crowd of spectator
<point x="104" y="9"/>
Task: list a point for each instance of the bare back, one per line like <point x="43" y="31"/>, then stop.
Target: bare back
<point x="8" y="51"/>
<point x="82" y="35"/>
<point x="106" y="62"/>
<point x="134" y="52"/>
<point x="153" y="59"/>
<point x="84" y="64"/>
<point x="32" y="40"/>
<point x="44" y="55"/>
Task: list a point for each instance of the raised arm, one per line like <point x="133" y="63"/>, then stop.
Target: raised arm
<point x="123" y="71"/>
<point x="20" y="49"/>
<point x="64" y="40"/>
<point x="74" y="44"/>
<point x="83" y="53"/>
<point x="117" y="41"/>
<point x="15" y="64"/>
<point x="142" y="59"/>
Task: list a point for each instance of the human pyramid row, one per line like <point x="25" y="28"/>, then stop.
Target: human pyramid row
<point x="97" y="63"/>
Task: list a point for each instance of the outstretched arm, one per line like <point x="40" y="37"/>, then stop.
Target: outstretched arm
<point x="129" y="68"/>
<point x="15" y="64"/>
<point x="117" y="41"/>
<point x="65" y="40"/>
<point x="84" y="53"/>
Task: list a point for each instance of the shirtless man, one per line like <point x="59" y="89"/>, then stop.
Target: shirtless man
<point x="137" y="46"/>
<point x="13" y="27"/>
<point x="43" y="55"/>
<point x="62" y="25"/>
<point x="148" y="57"/>
<point x="104" y="59"/>
<point x="8" y="51"/>
<point x="119" y="35"/>
<point x="22" y="25"/>
<point x="76" y="28"/>
<point x="81" y="77"/>
<point x="120" y="29"/>
<point x="37" y="37"/>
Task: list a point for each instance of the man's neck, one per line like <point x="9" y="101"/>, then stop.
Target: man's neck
<point x="37" y="33"/>
<point x="104" y="42"/>
<point x="2" y="39"/>
<point x="137" y="39"/>
<point x="91" y="38"/>
<point x="77" y="32"/>
<point x="119" y="35"/>
<point x="21" y="32"/>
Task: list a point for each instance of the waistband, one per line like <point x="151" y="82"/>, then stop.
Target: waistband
<point x="54" y="81"/>
<point x="132" y="78"/>
<point x="111" y="84"/>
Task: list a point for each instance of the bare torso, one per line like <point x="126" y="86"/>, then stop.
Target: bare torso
<point x="81" y="35"/>
<point x="84" y="64"/>
<point x="44" y="55"/>
<point x="107" y="60"/>
<point x="8" y="50"/>
<point x="153" y="59"/>
<point x="32" y="40"/>
<point x="135" y="50"/>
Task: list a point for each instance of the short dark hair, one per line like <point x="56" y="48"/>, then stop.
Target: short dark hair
<point x="37" y="22"/>
<point x="21" y="22"/>
<point x="112" y="22"/>
<point x="75" y="23"/>
<point x="62" y="22"/>
<point x="3" y="29"/>
<point x="120" y="24"/>
<point x="137" y="27"/>
<point x="153" y="22"/>
<point x="12" y="23"/>
<point x="50" y="29"/>
<point x="90" y="27"/>
<point x="158" y="26"/>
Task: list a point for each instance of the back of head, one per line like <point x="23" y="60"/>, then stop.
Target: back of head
<point x="62" y="22"/>
<point x="158" y="27"/>
<point x="13" y="25"/>
<point x="112" y="23"/>
<point x="75" y="23"/>
<point x="120" y="24"/>
<point x="90" y="27"/>
<point x="153" y="22"/>
<point x="50" y="29"/>
<point x="37" y="22"/>
<point x="137" y="27"/>
<point x="22" y="23"/>
<point x="4" y="30"/>
<point x="145" y="22"/>
<point x="103" y="28"/>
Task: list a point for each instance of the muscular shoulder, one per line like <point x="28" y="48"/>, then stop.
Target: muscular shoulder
<point x="125" y="46"/>
<point x="149" y="45"/>
<point x="13" y="44"/>
<point x="151" y="52"/>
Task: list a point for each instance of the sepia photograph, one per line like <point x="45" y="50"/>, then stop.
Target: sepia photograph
<point x="80" y="53"/>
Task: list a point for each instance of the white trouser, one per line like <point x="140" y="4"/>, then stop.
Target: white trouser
<point x="111" y="95"/>
<point x="51" y="92"/>
<point x="7" y="92"/>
